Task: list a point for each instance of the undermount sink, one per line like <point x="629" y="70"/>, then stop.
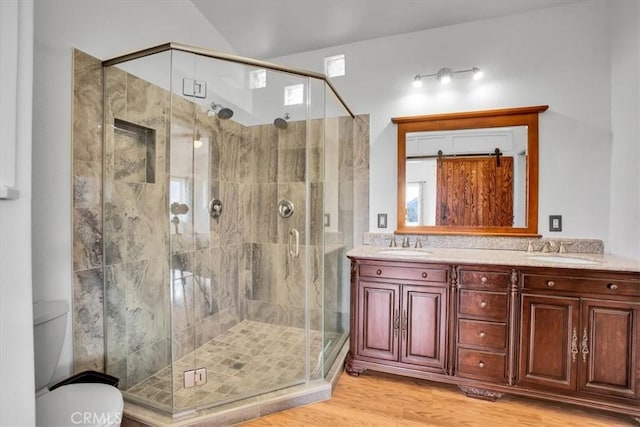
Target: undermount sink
<point x="404" y="251"/>
<point x="560" y="259"/>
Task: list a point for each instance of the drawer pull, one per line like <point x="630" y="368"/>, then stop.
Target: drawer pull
<point x="551" y="283"/>
<point x="481" y="364"/>
<point x="612" y="286"/>
<point x="574" y="345"/>
<point x="483" y="304"/>
<point x="378" y="272"/>
<point x="484" y="279"/>
<point x="424" y="274"/>
<point x="482" y="334"/>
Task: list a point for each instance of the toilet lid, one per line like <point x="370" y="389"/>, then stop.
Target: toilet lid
<point x="86" y="405"/>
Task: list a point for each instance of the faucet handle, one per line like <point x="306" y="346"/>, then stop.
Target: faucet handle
<point x="405" y="242"/>
<point x="530" y="247"/>
<point x="563" y="247"/>
<point x="392" y="243"/>
<point x="418" y="243"/>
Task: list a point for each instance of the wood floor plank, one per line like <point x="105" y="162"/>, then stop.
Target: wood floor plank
<point x="382" y="400"/>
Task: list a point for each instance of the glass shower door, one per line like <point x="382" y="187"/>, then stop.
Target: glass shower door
<point x="239" y="254"/>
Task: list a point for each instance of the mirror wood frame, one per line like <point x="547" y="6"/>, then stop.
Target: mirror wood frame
<point x="522" y="116"/>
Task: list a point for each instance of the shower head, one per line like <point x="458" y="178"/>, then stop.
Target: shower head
<point x="179" y="208"/>
<point x="281" y="122"/>
<point x="223" y="113"/>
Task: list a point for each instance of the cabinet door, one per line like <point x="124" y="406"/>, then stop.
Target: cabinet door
<point x="378" y="320"/>
<point x="423" y="326"/>
<point x="608" y="344"/>
<point x="549" y="342"/>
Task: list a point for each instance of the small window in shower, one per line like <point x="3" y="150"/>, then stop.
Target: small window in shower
<point x="258" y="79"/>
<point x="334" y="66"/>
<point x="294" y="94"/>
<point x="134" y="152"/>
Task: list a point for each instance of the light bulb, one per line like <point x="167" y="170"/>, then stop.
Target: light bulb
<point x="477" y="73"/>
<point x="444" y="76"/>
<point x="417" y="81"/>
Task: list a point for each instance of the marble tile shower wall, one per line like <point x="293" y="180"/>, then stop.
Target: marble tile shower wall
<point x="138" y="339"/>
<point x="88" y="294"/>
<point x="238" y="268"/>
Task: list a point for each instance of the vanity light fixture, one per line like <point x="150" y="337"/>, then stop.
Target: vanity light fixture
<point x="445" y="75"/>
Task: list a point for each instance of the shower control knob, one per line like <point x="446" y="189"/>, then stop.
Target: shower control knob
<point x="285" y="208"/>
<point x="215" y="208"/>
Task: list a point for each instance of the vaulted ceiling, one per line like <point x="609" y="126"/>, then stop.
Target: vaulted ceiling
<point x="264" y="29"/>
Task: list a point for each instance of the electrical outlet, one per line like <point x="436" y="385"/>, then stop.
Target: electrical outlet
<point x="382" y="220"/>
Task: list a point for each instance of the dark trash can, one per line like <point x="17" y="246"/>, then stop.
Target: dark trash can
<point x="88" y="377"/>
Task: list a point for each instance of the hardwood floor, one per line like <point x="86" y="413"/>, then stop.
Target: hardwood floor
<point x="376" y="399"/>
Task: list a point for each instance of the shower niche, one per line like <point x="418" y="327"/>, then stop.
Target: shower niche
<point x="232" y="293"/>
<point x="134" y="152"/>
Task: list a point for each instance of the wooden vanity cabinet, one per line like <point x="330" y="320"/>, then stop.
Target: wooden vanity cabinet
<point x="399" y="314"/>
<point x="568" y="335"/>
<point x="580" y="334"/>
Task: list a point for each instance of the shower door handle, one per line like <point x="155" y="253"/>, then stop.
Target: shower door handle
<point x="294" y="243"/>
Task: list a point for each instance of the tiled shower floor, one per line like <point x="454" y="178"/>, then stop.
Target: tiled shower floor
<point x="250" y="358"/>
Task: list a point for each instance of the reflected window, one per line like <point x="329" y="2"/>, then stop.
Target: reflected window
<point x="414" y="202"/>
<point x="258" y="79"/>
<point x="294" y="94"/>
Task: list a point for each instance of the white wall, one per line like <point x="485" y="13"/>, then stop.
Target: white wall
<point x="558" y="56"/>
<point x="17" y="386"/>
<point x="104" y="29"/>
<point x="625" y="125"/>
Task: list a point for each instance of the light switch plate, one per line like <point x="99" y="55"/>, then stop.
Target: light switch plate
<point x="382" y="220"/>
<point x="555" y="222"/>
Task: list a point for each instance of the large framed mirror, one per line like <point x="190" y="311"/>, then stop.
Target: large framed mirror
<point x="469" y="173"/>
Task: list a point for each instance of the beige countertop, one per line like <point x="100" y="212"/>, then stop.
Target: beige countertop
<point x="498" y="257"/>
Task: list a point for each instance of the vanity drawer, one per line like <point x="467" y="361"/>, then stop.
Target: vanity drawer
<point x="404" y="273"/>
<point x="481" y="365"/>
<point x="483" y="305"/>
<point x="484" y="279"/>
<point x="581" y="284"/>
<point x="484" y="334"/>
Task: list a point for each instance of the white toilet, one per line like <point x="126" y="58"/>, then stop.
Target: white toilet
<point x="86" y="405"/>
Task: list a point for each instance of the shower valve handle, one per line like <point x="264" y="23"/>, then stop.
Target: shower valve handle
<point x="215" y="208"/>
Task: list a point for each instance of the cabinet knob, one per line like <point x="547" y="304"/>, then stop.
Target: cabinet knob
<point x="424" y="274"/>
<point x="483" y="304"/>
<point x="378" y="272"/>
<point x="551" y="283"/>
<point x="612" y="286"/>
<point x="482" y="334"/>
<point x="481" y="364"/>
<point x="484" y="279"/>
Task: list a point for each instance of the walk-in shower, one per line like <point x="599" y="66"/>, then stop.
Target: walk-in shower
<point x="211" y="294"/>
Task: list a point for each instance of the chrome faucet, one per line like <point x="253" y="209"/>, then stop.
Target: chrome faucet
<point x="418" y="243"/>
<point x="392" y="243"/>
<point x="405" y="242"/>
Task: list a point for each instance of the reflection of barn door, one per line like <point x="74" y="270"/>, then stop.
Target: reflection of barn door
<point x="475" y="192"/>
